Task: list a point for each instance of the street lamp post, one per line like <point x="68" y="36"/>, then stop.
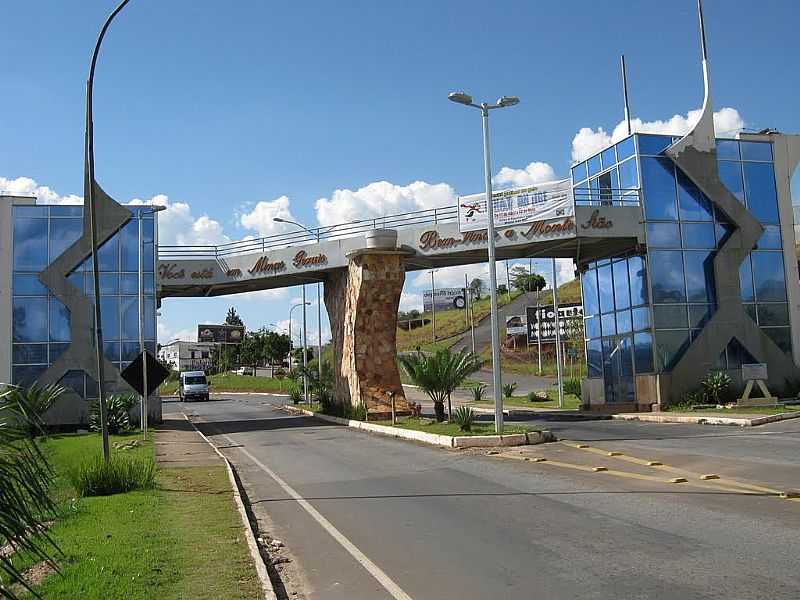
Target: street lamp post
<point x="291" y="342"/>
<point x="89" y="183"/>
<point x="465" y="99"/>
<point x="433" y="303"/>
<point x="319" y="295"/>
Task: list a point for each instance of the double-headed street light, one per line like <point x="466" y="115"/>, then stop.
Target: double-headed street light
<point x="319" y="295"/>
<point x="484" y="107"/>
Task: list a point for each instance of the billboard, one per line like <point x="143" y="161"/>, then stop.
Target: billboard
<point x="542" y="321"/>
<point x="446" y="299"/>
<point x="220" y="334"/>
<point x="550" y="200"/>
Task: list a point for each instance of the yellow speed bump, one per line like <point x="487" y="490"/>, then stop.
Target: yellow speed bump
<point x="537" y="459"/>
<point x="790" y="494"/>
<point x="654" y="463"/>
<point x="614" y="453"/>
<point x="707" y="476"/>
<point x="581" y="446"/>
<point x="678" y="480"/>
<point x="599" y="469"/>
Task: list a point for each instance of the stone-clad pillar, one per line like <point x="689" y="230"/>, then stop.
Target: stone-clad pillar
<point x="362" y="305"/>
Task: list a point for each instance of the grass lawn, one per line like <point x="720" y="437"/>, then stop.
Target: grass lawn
<point x="181" y="540"/>
<point x="733" y="412"/>
<point x="446" y="428"/>
<point x="571" y="401"/>
<point x="448" y="324"/>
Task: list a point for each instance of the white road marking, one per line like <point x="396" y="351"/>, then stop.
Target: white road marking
<point x="374" y="570"/>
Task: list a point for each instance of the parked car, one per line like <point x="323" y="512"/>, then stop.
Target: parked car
<point x="193" y="386"/>
<point x="245" y="371"/>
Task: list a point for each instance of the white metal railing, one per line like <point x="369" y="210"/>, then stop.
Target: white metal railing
<point x="448" y="214"/>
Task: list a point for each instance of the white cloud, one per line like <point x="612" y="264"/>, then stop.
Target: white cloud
<point x="263" y="295"/>
<point x="535" y="172"/>
<point x="588" y="141"/>
<point x="410" y="301"/>
<point x="382" y="198"/>
<point x="261" y="217"/>
<point x="454" y="276"/>
<point x="178" y="226"/>
<point x="25" y="186"/>
<point x="167" y="334"/>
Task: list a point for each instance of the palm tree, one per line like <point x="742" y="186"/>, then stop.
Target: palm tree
<point x="24" y="500"/>
<point x="439" y="374"/>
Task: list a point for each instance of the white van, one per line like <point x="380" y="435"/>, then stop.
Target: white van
<point x="193" y="386"/>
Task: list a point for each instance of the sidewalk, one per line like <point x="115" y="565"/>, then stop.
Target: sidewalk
<point x="177" y="444"/>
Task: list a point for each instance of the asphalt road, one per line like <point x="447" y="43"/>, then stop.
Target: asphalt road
<point x="368" y="517"/>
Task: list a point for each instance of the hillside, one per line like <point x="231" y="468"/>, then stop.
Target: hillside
<point x="450" y="324"/>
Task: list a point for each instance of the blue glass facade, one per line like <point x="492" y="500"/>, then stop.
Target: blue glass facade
<point x="41" y="323"/>
<point x="672" y="285"/>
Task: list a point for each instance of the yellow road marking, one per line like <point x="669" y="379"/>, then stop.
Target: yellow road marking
<point x="631" y="475"/>
<point x="722" y="481"/>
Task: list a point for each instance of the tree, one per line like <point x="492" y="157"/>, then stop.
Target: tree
<point x="439" y="374"/>
<point x="478" y="287"/>
<point x="502" y="289"/>
<point x="24" y="498"/>
<point x="525" y="281"/>
<point x="233" y="318"/>
<point x="251" y="349"/>
<point x="276" y="346"/>
<point x="223" y="356"/>
<point x="298" y="354"/>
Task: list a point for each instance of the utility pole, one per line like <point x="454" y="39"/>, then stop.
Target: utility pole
<point x="433" y="304"/>
<point x="558" y="340"/>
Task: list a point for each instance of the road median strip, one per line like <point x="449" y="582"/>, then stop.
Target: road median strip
<point x="435" y="439"/>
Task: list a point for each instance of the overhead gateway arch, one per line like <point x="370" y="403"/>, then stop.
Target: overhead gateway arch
<point x="363" y="267"/>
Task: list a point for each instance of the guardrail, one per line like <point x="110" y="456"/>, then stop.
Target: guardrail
<point x="448" y="214"/>
<point x="605" y="197"/>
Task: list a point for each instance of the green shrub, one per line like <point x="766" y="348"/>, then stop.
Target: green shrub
<point x="295" y="391"/>
<point x="32" y="403"/>
<point x="357" y="412"/>
<point x="119" y="475"/>
<point x="508" y="389"/>
<point x="464" y="416"/>
<point x="715" y="385"/>
<point x="477" y="391"/>
<point x="572" y="386"/>
<point x="118" y="409"/>
<point x="278" y="373"/>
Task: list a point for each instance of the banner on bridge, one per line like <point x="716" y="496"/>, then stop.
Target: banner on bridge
<point x="550" y="200"/>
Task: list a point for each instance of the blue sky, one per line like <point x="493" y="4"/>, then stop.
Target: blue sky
<point x="231" y="113"/>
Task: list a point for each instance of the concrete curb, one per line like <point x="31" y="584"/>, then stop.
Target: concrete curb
<point x="255" y="553"/>
<point x="706" y="419"/>
<point x="444" y="441"/>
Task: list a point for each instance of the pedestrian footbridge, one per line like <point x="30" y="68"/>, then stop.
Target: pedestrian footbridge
<point x="363" y="266"/>
<point x="426" y="239"/>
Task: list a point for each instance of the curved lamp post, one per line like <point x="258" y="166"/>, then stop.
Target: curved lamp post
<point x="503" y="102"/>
<point x="89" y="183"/>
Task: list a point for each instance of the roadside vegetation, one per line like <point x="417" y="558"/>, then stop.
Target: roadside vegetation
<point x="439" y="374"/>
<point x="230" y="382"/>
<point x="80" y="527"/>
<point x="453" y="428"/>
<point x="545" y="399"/>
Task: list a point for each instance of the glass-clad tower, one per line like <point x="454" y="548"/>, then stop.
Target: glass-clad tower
<point x="644" y="309"/>
<point x="41" y="325"/>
